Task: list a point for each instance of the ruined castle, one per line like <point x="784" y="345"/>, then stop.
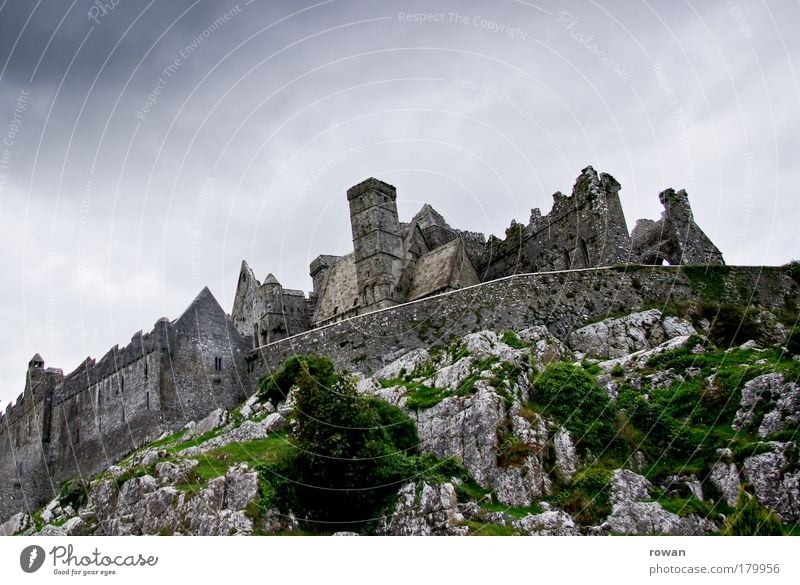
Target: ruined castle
<point x="401" y="281"/>
<point x="394" y="262"/>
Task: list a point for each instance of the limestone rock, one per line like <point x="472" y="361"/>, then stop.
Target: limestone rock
<point x="485" y="344"/>
<point x="253" y="407"/>
<point x="17" y="523"/>
<point x="609" y="384"/>
<point x="133" y="490"/>
<point x="545" y="347"/>
<point x="450" y="377"/>
<point x="467" y="427"/>
<point x="725" y="477"/>
<point x="640" y="358"/>
<point x="683" y="486"/>
<point x="248" y="431"/>
<point x="405" y="364"/>
<point x="772" y="389"/>
<point x="214" y="420"/>
<point x="549" y="523"/>
<point x="241" y="487"/>
<point x="566" y="457"/>
<point x="615" y="338"/>
<point x="775" y="488"/>
<point x="175" y="473"/>
<point x="650" y="518"/>
<point x="627" y="486"/>
<point x="433" y="512"/>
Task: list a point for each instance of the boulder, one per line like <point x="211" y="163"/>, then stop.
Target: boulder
<point x="774" y="484"/>
<point x="618" y="337"/>
<point x="549" y="523"/>
<point x="214" y="420"/>
<point x="566" y="457"/>
<point x="425" y="510"/>
<point x="469" y="427"/>
<point x="544" y="346"/>
<point x="650" y="518"/>
<point x="627" y="486"/>
<point x="17" y="523"/>
<point x="725" y="477"/>
<point x="405" y="364"/>
<point x="783" y="404"/>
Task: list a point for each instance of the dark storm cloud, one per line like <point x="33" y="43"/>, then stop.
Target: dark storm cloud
<point x="160" y="143"/>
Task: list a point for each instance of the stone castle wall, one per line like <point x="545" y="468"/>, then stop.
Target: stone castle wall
<point x="105" y="409"/>
<point x="562" y="301"/>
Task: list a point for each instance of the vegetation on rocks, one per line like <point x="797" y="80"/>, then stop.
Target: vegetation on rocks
<point x="696" y="435"/>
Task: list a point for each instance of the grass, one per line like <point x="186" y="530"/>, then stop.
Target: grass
<point x="216" y="462"/>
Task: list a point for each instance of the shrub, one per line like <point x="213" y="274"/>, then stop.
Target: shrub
<point x="276" y="387"/>
<point x="352" y="452"/>
<point x="751" y="519"/>
<point x="573" y="398"/>
<point x="618" y="371"/>
<point x="73" y="493"/>
<point x="730" y="324"/>
<point x="589" y="497"/>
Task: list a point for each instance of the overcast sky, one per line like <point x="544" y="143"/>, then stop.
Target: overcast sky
<point x="148" y="147"/>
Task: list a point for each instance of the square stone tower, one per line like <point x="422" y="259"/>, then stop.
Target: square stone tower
<point x="377" y="242"/>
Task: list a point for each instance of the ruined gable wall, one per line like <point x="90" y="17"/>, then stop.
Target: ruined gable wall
<point x="583" y="230"/>
<point x="195" y="383"/>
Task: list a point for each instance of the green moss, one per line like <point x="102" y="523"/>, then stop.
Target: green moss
<point x="708" y="282"/>
<point x="511" y="339"/>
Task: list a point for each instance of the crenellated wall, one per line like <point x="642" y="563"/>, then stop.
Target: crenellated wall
<point x="63" y="427"/>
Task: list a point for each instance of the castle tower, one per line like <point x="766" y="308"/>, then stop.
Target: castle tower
<point x="35" y="371"/>
<point x="377" y="242"/>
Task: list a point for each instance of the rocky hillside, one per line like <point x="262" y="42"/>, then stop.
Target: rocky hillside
<point x="642" y="424"/>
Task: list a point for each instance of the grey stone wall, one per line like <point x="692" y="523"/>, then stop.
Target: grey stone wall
<point x="562" y="301"/>
<point x="76" y="425"/>
<point x="675" y="238"/>
<point x="583" y="230"/>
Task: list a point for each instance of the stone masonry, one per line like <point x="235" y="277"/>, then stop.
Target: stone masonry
<point x="405" y="285"/>
<point x="75" y="425"/>
<point x="394" y="262"/>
